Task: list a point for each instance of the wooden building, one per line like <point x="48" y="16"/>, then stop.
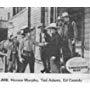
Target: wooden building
<point x="22" y="17"/>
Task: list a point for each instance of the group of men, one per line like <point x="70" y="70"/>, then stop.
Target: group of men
<point x="57" y="46"/>
<point x="9" y="53"/>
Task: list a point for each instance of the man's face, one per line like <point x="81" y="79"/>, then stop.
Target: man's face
<point x="59" y="23"/>
<point x="66" y="19"/>
<point x="52" y="31"/>
<point x="27" y="35"/>
<point x="49" y="31"/>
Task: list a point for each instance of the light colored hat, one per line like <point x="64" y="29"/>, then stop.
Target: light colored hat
<point x="65" y="14"/>
<point x="52" y="25"/>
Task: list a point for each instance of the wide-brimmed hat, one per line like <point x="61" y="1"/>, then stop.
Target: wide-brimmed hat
<point x="14" y="36"/>
<point x="26" y="30"/>
<point x="51" y="26"/>
<point x="65" y="14"/>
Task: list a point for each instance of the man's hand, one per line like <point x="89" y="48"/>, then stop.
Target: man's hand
<point x="40" y="43"/>
<point x="45" y="43"/>
<point x="73" y="42"/>
<point x="4" y="54"/>
<point x="21" y="60"/>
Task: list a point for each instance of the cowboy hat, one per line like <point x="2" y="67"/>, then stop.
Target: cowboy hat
<point x="52" y="25"/>
<point x="26" y="30"/>
<point x="65" y="14"/>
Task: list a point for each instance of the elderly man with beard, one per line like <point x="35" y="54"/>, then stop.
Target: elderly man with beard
<point x="52" y="48"/>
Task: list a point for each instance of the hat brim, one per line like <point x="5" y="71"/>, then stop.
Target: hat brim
<point x="66" y="16"/>
<point x="28" y="30"/>
<point x="51" y="28"/>
<point x="22" y="34"/>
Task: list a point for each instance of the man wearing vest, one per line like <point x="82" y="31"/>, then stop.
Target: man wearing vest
<point x="26" y="54"/>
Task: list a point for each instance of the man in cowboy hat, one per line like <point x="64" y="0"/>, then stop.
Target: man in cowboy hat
<point x="52" y="47"/>
<point x="26" y="54"/>
<point x="60" y="24"/>
<point x="59" y="20"/>
<point x="67" y="37"/>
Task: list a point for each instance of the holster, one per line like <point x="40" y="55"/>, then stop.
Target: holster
<point x="26" y="53"/>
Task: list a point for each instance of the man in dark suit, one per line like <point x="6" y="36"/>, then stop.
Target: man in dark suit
<point x="52" y="48"/>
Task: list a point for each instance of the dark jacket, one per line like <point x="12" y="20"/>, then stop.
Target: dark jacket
<point x="54" y="45"/>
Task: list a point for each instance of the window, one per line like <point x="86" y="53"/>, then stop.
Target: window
<point x="43" y="15"/>
<point x="17" y="10"/>
<point x="14" y="11"/>
<point x="52" y="15"/>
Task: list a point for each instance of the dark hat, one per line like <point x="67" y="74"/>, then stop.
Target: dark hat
<point x="26" y="30"/>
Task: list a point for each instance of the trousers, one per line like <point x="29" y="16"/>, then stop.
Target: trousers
<point x="28" y="59"/>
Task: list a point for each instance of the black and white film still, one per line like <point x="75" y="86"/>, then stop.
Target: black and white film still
<point x="44" y="40"/>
